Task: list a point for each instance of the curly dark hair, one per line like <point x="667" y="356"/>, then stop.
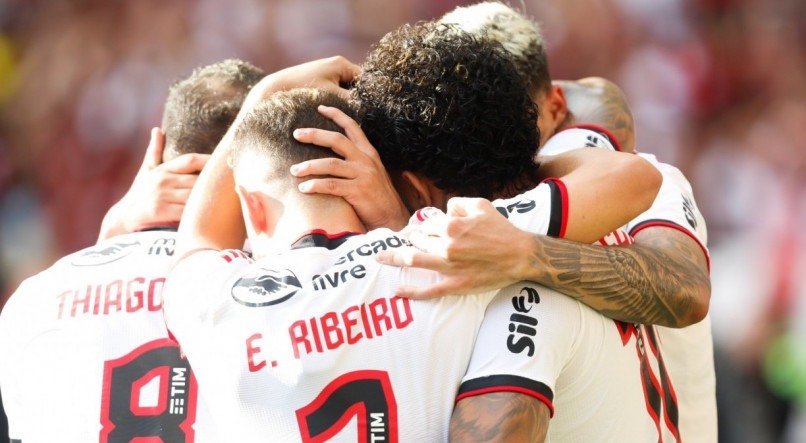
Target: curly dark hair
<point x="451" y="106"/>
<point x="200" y="108"/>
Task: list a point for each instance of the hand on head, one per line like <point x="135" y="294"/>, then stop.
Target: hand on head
<point x="360" y="178"/>
<point x="158" y="193"/>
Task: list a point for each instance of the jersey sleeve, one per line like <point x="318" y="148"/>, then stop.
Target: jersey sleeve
<point x="17" y="326"/>
<point x="542" y="210"/>
<point x="192" y="285"/>
<point x="674" y="207"/>
<point x="525" y="340"/>
<point x="583" y="136"/>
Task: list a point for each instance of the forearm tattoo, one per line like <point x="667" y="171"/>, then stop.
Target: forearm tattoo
<point x="659" y="280"/>
<point x="500" y="416"/>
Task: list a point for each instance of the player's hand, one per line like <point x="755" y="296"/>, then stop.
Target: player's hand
<point x="360" y="178"/>
<point x="329" y="74"/>
<point x="474" y="247"/>
<point x="158" y="193"/>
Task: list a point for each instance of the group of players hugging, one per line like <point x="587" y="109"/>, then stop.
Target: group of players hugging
<point x="439" y="244"/>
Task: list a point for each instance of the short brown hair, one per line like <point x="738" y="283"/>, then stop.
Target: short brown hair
<point x="268" y="129"/>
<point x="200" y="108"/>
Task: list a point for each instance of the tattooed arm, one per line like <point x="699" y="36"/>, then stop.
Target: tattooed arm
<point x="662" y="279"/>
<point x="500" y="416"/>
<point x="595" y="100"/>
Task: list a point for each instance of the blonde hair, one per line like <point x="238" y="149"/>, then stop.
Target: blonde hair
<point x="519" y="35"/>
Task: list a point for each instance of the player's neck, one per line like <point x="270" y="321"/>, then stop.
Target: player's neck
<point x="304" y="214"/>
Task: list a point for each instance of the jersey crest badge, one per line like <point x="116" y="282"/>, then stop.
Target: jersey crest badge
<point x="265" y="287"/>
<point x="103" y="254"/>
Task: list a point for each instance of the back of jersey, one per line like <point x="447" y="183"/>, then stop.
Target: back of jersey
<point x="84" y="352"/>
<point x="311" y="345"/>
<point x="601" y="379"/>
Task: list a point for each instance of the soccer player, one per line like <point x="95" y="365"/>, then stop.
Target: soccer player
<point x="84" y="352"/>
<point x="662" y="279"/>
<point x="293" y="345"/>
<point x="297" y="343"/>
<point x="395" y="102"/>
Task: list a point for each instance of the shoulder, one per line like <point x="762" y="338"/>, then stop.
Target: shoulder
<point x="152" y="246"/>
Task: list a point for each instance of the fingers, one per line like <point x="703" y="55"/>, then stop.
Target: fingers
<point x="186" y="164"/>
<point x="424" y="292"/>
<point x="411" y="258"/>
<point x="346" y="71"/>
<point x="174" y="196"/>
<point x="327" y="139"/>
<point x="329" y="86"/>
<point x="177" y="181"/>
<point x="325" y="166"/>
<point x="156" y="144"/>
<point x="329" y="186"/>
<point x="349" y="125"/>
<point x="343" y="93"/>
<point x="465" y="206"/>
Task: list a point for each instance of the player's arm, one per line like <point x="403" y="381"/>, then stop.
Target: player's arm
<point x="614" y="186"/>
<point x="499" y="417"/>
<point x="213" y="218"/>
<point x="507" y="392"/>
<point x="605" y="190"/>
<point x="662" y="279"/>
<point x="598" y="101"/>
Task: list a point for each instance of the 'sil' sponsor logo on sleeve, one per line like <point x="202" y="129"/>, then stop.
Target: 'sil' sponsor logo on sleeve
<point x="522" y="325"/>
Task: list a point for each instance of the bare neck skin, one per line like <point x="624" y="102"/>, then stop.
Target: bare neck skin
<point x="296" y="214"/>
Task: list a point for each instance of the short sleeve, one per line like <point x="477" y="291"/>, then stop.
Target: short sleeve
<point x="542" y="210"/>
<point x="583" y="136"/>
<point x="526" y="338"/>
<point x="674" y="207"/>
<point x="192" y="283"/>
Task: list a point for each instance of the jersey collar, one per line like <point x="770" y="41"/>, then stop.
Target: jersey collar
<point x="318" y="238"/>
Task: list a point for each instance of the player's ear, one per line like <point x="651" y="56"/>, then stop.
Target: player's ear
<point x="415" y="190"/>
<point x="555" y="104"/>
<point x="255" y="211"/>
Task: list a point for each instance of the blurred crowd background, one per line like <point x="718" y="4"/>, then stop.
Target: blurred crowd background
<point x="718" y="88"/>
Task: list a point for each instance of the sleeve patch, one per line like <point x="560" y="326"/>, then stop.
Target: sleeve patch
<point x="507" y="383"/>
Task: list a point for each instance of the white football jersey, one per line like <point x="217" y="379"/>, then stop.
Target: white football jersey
<point x="85" y="355"/>
<point x="310" y="344"/>
<point x="690" y="350"/>
<point x="603" y="380"/>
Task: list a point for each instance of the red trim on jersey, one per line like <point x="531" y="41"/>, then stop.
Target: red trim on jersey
<point x="564" y="195"/>
<point x="559" y="207"/>
<point x="357" y="410"/>
<point x="670" y="224"/>
<point x="518" y="389"/>
<point x="329" y="236"/>
<point x="419" y="215"/>
<point x="596" y="128"/>
<point x="106" y="389"/>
